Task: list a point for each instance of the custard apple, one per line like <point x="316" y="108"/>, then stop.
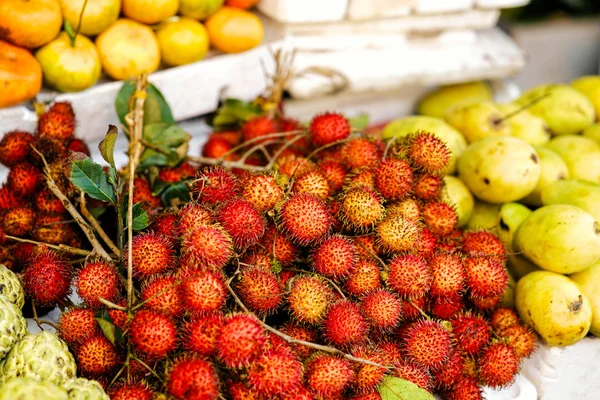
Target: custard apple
<point x="10" y="286"/>
<point x="43" y="356"/>
<point x="84" y="389"/>
<point x="12" y="325"/>
<point x="27" y="388"/>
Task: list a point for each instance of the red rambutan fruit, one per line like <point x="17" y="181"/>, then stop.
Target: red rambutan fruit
<point x="202" y="291"/>
<point x="15" y="147"/>
<point x="131" y="391"/>
<point x="394" y="178"/>
<point x="208" y="246"/>
<point x="262" y="191"/>
<point x="96" y="280"/>
<point x="241" y="340"/>
<point x="275" y="373"/>
<point x="62" y="107"/>
<point x="446" y="307"/>
<point x="256" y="257"/>
<point x="498" y="365"/>
<point x="167" y="225"/>
<point x="471" y="332"/>
<point x="294" y="166"/>
<point x="257" y="127"/>
<point x="79" y="146"/>
<point x="412" y="308"/>
<point x="96" y="356"/>
<point x="428" y="153"/>
<point x="47" y="278"/>
<point x="486" y="277"/>
<point x="409" y="275"/>
<point x="360" y="152"/>
<point x="53" y="229"/>
<point x="427" y="187"/>
<point x="314" y="183"/>
<point x="484" y="244"/>
<point x="161" y="293"/>
<point x="58" y="125"/>
<point x="440" y="217"/>
<point x="218" y="147"/>
<point x="151" y="254"/>
<point x="216" y="185"/>
<point x="328" y="128"/>
<point x="485" y="304"/>
<point x="390" y="351"/>
<point x="193" y="378"/>
<point x="465" y="389"/>
<point x="413" y="372"/>
<point x="408" y="208"/>
<point x="76" y="324"/>
<point x="200" y="333"/>
<point x="334" y="172"/>
<point x="18" y="221"/>
<point x="142" y="193"/>
<point x="309" y="298"/>
<point x="46" y="202"/>
<point x="242" y="221"/>
<point x="7" y="198"/>
<point x="334" y="257"/>
<point x="448" y="275"/>
<point x="364" y="176"/>
<point x="344" y="324"/>
<point x="239" y="391"/>
<point x="118" y="317"/>
<point x="153" y="334"/>
<point x="367" y="396"/>
<point x="522" y="339"/>
<point x="328" y="376"/>
<point x="397" y="234"/>
<point x="305" y="218"/>
<point x="279" y="246"/>
<point x="427" y="244"/>
<point x="301" y="333"/>
<point x="382" y="309"/>
<point x="365" y="245"/>
<point x="192" y="216"/>
<point x="23" y="179"/>
<point x="503" y="318"/>
<point x="360" y="208"/>
<point x="427" y="342"/>
<point x="260" y="290"/>
<point x="367" y="377"/>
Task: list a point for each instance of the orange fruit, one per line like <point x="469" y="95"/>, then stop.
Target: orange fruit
<point x="233" y="30"/>
<point x="243" y="4"/>
<point x="183" y="41"/>
<point x="20" y="75"/>
<point x="98" y="14"/>
<point x="29" y="23"/>
<point x="150" y="11"/>
<point x="199" y="9"/>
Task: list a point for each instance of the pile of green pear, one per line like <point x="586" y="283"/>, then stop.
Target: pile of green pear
<point x="529" y="171"/>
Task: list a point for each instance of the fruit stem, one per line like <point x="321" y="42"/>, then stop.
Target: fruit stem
<point x="41" y="322"/>
<point x="112" y="305"/>
<point x="79" y="23"/>
<point x="148" y="368"/>
<point x="375" y="256"/>
<point x="328" y="145"/>
<point x="96" y="225"/>
<point x="388" y="146"/>
<point x="498" y="121"/>
<point x="423" y="314"/>
<point x="61" y="247"/>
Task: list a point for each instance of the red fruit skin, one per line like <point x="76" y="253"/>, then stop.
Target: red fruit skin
<point x="202" y="291"/>
<point x="217" y="147"/>
<point x="18" y="221"/>
<point x="57" y="125"/>
<point x="15" y="147"/>
<point x="327" y="376"/>
<point x="302" y="333"/>
<point x="8" y="199"/>
<point x="241" y="340"/>
<point x="131" y="391"/>
<point x="450" y="372"/>
<point x="472" y="332"/>
<point x="394" y="178"/>
<point x="465" y="389"/>
<point x="305" y="218"/>
<point x="335" y="257"/>
<point x="23" y="179"/>
<point x="486" y="277"/>
<point x="162" y="294"/>
<point x="446" y="307"/>
<point x="242" y="221"/>
<point x="448" y="275"/>
<point x="193" y="378"/>
<point x="344" y="324"/>
<point x="152" y="254"/>
<point x="360" y="153"/>
<point x="409" y="310"/>
<point x="484" y="243"/>
<point x="328" y="128"/>
<point x="257" y="127"/>
<point x="143" y="193"/>
<point x="46" y="202"/>
<point x="504" y="318"/>
<point x="153" y="334"/>
<point x="427" y="187"/>
<point x="309" y="298"/>
<point x="441" y="218"/>
<point x="382" y="309"/>
<point x="275" y="373"/>
<point x="217" y="185"/>
<point x="260" y="290"/>
<point x="413" y="372"/>
<point x="79" y="146"/>
<point x="335" y="173"/>
<point x="428" y="153"/>
<point x="97" y="280"/>
<point x="365" y="277"/>
<point x="192" y="216"/>
<point x="409" y="275"/>
<point x="96" y="356"/>
<point x="76" y="324"/>
<point x="47" y="279"/>
<point x="279" y="246"/>
<point x="167" y="225"/>
<point x="200" y="334"/>
<point x="207" y="247"/>
<point x="367" y="396"/>
<point x="427" y="343"/>
<point x="498" y="365"/>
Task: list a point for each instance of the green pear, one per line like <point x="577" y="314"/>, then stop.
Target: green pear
<point x="500" y="169"/>
<point x="508" y="220"/>
<point x="458" y="195"/>
<point x="590" y="86"/>
<point x="588" y="281"/>
<point x="566" y="110"/>
<point x="519" y="266"/>
<point x="508" y="298"/>
<point x="553" y="169"/>
<point x="583" y="194"/>
<point x="453" y="138"/>
<point x="553" y="306"/>
<point x="592" y="132"/>
<point x="581" y="154"/>
<point x="435" y="103"/>
<point x="524" y="125"/>
<point x="560" y="238"/>
<point x="478" y="121"/>
<point x="484" y="216"/>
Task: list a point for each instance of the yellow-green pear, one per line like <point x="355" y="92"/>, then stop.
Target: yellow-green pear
<point x="453" y="138"/>
<point x="581" y="154"/>
<point x="508" y="220"/>
<point x="590" y="86"/>
<point x="458" y="195"/>
<point x="435" y="103"/>
<point x="553" y="169"/>
<point x="484" y="216"/>
<point x="592" y="132"/>
<point x="583" y="194"/>
<point x="500" y="169"/>
<point x="553" y="306"/>
<point x="524" y="125"/>
<point x="519" y="266"/>
<point x="566" y="110"/>
<point x="508" y="298"/>
<point x="560" y="238"/>
<point x="588" y="281"/>
<point x="478" y="121"/>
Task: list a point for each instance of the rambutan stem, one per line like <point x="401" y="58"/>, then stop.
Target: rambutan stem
<point x="388" y="146"/>
<point x="285" y="146"/>
<point x="41" y="322"/>
<point x="96" y="225"/>
<point x="148" y="368"/>
<point x="423" y="313"/>
<point x="328" y="145"/>
<point x="383" y="264"/>
<point x="112" y="305"/>
<point x="255" y="140"/>
<point x="61" y="247"/>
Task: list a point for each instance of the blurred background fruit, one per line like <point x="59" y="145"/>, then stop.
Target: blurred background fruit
<point x="30" y="23"/>
<point x="243" y="4"/>
<point x="232" y="30"/>
<point x="199" y="9"/>
<point x="97" y="16"/>
<point x="20" y="75"/>
<point x="150" y="11"/>
<point x="183" y="41"/>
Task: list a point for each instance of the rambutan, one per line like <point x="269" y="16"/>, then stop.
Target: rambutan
<point x="131" y="391"/>
<point x="382" y="309"/>
<point x="409" y="275"/>
<point x="119" y="317"/>
<point x="202" y="332"/>
<point x="262" y="191"/>
<point x="78" y="146"/>
<point x="275" y="373"/>
<point x="153" y="334"/>
<point x="394" y="178"/>
<point x="309" y="298"/>
<point x="314" y="183"/>
<point x="52" y="229"/>
<point x="58" y="125"/>
<point x="413" y="372"/>
<point x="23" y="179"/>
<point x="97" y="280"/>
<point x="361" y="208"/>
<point x="465" y="389"/>
<point x="242" y="221"/>
<point x="397" y="234"/>
<point x="486" y="277"/>
<point x="47" y="278"/>
<point x="446" y="307"/>
<point x="498" y="365"/>
<point x="161" y="293"/>
<point x="390" y="351"/>
<point x="239" y="391"/>
<point x="334" y="257"/>
<point x="485" y="304"/>
<point x="522" y="339"/>
<point x="503" y="318"/>
<point x="151" y="254"/>
<point x="96" y="356"/>
<point x="448" y="275"/>
<point x="305" y="218"/>
<point x="15" y="147"/>
<point x="192" y="216"/>
<point x="427" y="187"/>
<point x="450" y="372"/>
<point x="366" y="245"/>
<point x="344" y="324"/>
<point x="260" y="290"/>
<point x="328" y="128"/>
<point x="429" y="153"/>
<point x="167" y="225"/>
<point x="367" y="396"/>
<point x="279" y="246"/>
<point x="484" y="244"/>
<point x="202" y="291"/>
<point x="328" y="376"/>
<point x="193" y="378"/>
<point x="408" y="208"/>
<point x="46" y="202"/>
<point x="360" y="152"/>
<point x="257" y="257"/>
<point x="367" y="377"/>
<point x="7" y="198"/>
<point x="294" y="166"/>
<point x="471" y="332"/>
<point x="427" y="342"/>
<point x="412" y="308"/>
<point x="18" y="221"/>
<point x="241" y="340"/>
<point x="55" y="153"/>
<point x="208" y="246"/>
<point x="76" y="324"/>
<point x="300" y="332"/>
<point x="216" y="185"/>
<point x="364" y="176"/>
<point x="334" y="172"/>
<point x="257" y="127"/>
<point x="218" y="147"/>
<point x="440" y="217"/>
<point x="142" y="193"/>
<point x="427" y="244"/>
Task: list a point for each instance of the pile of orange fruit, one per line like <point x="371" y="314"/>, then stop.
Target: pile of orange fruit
<point x="67" y="44"/>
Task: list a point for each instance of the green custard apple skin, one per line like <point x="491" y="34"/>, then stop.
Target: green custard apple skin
<point x="85" y="389"/>
<point x="553" y="306"/>
<point x="510" y="217"/>
<point x="583" y="194"/>
<point x="43" y="356"/>
<point x="566" y="110"/>
<point x="454" y="139"/>
<point x="484" y="216"/>
<point x="553" y="169"/>
<point x="581" y="154"/>
<point x="560" y="238"/>
<point x="436" y="103"/>
<point x="28" y="388"/>
<point x="592" y="132"/>
<point x="458" y="195"/>
<point x="590" y="86"/>
<point x="500" y="169"/>
<point x="588" y="281"/>
<point x="10" y="286"/>
<point x="13" y="327"/>
<point x="526" y="126"/>
<point x="478" y="121"/>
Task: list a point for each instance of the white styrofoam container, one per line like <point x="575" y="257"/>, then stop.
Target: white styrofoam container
<point x="294" y="11"/>
<point x="501" y="3"/>
<point x="442" y="6"/>
<point x="368" y="9"/>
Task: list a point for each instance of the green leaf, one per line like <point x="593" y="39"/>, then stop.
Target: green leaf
<point x="140" y="218"/>
<point x="399" y="389"/>
<point x="97" y="211"/>
<point x="359" y="122"/>
<point x="90" y="178"/>
<point x="70" y="32"/>
<point x="234" y="111"/>
<point x="107" y="145"/>
<point x="166" y="145"/>
<point x="156" y="108"/>
<point x="112" y="176"/>
<point x="113" y="333"/>
<point x="159" y="186"/>
<point x="175" y="191"/>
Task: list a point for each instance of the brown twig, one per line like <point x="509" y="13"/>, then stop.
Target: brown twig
<point x="41" y="322"/>
<point x="96" y="225"/>
<point x="285" y="146"/>
<point x="61" y="247"/>
<point x="112" y="305"/>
